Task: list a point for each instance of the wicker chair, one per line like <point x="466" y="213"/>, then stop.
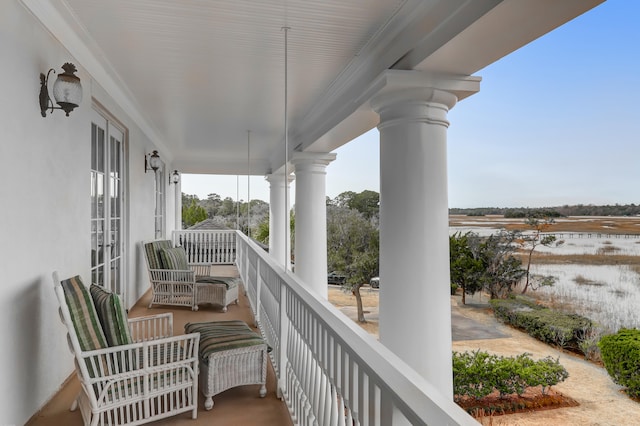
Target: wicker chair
<point x="176" y="282"/>
<point x="131" y="371"/>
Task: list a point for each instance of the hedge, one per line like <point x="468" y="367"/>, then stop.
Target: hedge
<point x="477" y="374"/>
<point x="621" y="356"/>
<point x="546" y="325"/>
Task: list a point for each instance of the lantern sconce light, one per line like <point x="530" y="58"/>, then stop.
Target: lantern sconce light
<point x="67" y="90"/>
<point x="151" y="162"/>
<point x="174" y="178"/>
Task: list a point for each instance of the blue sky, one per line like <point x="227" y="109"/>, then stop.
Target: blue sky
<point x="556" y="122"/>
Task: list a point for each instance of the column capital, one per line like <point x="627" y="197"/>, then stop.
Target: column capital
<point x="392" y="81"/>
<point x="275" y="178"/>
<point x="312" y="159"/>
<point x="418" y="96"/>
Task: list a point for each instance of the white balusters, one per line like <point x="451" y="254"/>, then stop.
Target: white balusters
<point x="216" y="247"/>
<point x="329" y="371"/>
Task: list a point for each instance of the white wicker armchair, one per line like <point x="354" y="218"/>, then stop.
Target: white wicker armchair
<point x="184" y="284"/>
<point x="154" y="376"/>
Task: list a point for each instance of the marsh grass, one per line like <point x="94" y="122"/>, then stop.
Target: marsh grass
<point x="581" y="280"/>
<point x="585" y="259"/>
<point x="607" y="294"/>
<point x="607" y="249"/>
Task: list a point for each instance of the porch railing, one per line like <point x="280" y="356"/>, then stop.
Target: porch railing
<point x="329" y="370"/>
<point x="216" y="247"/>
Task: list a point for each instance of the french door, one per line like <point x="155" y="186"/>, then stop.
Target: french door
<point x="107" y="204"/>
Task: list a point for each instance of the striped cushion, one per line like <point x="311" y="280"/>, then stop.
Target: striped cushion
<point x="152" y="250"/>
<point x="174" y="258"/>
<point x="218" y="336"/>
<point x="83" y="314"/>
<point x="113" y="316"/>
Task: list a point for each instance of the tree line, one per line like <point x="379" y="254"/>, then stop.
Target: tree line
<point x="224" y="212"/>
<point x="560" y="211"/>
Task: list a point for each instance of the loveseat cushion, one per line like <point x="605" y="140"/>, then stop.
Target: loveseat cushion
<point x="174" y="258"/>
<point x="83" y="315"/>
<point x="112" y="315"/>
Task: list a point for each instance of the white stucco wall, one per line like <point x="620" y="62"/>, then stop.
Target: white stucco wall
<point x="45" y="212"/>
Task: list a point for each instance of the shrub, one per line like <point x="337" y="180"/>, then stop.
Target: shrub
<point x="546" y="325"/>
<point x="454" y="289"/>
<point x="477" y="374"/>
<point x="621" y="356"/>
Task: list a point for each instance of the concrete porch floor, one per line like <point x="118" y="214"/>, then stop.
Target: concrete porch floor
<point x="238" y="406"/>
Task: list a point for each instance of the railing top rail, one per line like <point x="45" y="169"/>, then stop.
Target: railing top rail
<point x="204" y="231"/>
<point x="418" y="399"/>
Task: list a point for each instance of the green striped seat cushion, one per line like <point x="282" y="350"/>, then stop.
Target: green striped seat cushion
<point x="83" y="315"/>
<point x="152" y="250"/>
<point x="219" y="336"/>
<point x="112" y="315"/>
<point x="174" y="258"/>
<point x="231" y="282"/>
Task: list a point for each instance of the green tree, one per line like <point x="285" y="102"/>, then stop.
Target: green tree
<point x="366" y="202"/>
<point x="193" y="213"/>
<point x="211" y="204"/>
<point x="466" y="265"/>
<point x="261" y="233"/>
<point x="187" y="199"/>
<point x="502" y="269"/>
<point x="352" y="248"/>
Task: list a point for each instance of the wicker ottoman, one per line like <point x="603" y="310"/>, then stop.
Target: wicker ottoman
<point x="231" y="354"/>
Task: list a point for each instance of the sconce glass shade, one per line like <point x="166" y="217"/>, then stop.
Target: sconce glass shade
<point x="154" y="161"/>
<point x="175" y="177"/>
<point x="67" y="90"/>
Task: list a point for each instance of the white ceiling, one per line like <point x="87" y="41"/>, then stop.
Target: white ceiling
<point x="197" y="75"/>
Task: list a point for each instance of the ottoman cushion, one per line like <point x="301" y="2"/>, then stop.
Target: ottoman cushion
<point x="216" y="336"/>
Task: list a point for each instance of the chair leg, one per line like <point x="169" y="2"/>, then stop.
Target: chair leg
<point x="74" y="404"/>
<point x="263" y="391"/>
<point x="208" y="403"/>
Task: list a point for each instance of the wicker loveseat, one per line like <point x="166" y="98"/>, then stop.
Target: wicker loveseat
<point x="176" y="282"/>
<point x="131" y="371"/>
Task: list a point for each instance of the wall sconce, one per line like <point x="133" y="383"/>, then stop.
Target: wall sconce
<point x="174" y="178"/>
<point x="151" y="162"/>
<point x="67" y="90"/>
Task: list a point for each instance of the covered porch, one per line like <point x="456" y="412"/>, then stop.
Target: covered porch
<point x="324" y="369"/>
<point x="266" y="88"/>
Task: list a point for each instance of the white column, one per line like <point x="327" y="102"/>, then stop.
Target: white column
<point x="279" y="232"/>
<point x="311" y="219"/>
<point x="415" y="311"/>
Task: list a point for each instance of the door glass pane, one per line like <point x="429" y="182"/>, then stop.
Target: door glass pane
<point x="100" y="166"/>
<point x="107" y="199"/>
<point x="94" y="150"/>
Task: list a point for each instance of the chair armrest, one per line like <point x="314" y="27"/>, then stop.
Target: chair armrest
<point x="151" y="327"/>
<point x="118" y="370"/>
<point x="172" y="275"/>
<point x="201" y="269"/>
